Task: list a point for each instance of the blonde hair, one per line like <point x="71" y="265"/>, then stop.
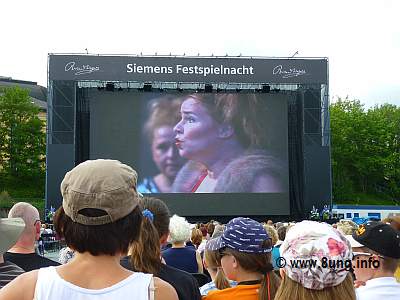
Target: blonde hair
<point x="273" y="234"/>
<point x="164" y="111"/>
<point x="347" y="227"/>
<point x="212" y="259"/>
<point x="290" y="289"/>
<point x="179" y="229"/>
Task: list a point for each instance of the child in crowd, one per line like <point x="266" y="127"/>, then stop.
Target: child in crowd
<point x="218" y="278"/>
<point x="376" y="256"/>
<point x="99" y="219"/>
<point x="245" y="256"/>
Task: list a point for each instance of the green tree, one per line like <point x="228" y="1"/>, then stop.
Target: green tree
<point x="22" y="138"/>
<point x="365" y="149"/>
<point x="385" y="148"/>
<point x="347" y="118"/>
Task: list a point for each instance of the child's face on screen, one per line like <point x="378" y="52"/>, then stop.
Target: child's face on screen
<point x="196" y="135"/>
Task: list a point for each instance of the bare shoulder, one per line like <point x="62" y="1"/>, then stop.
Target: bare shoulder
<point x="22" y="287"/>
<point x="164" y="290"/>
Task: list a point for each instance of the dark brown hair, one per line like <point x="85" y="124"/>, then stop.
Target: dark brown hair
<point x="260" y="263"/>
<point x="108" y="239"/>
<point x="282" y="232"/>
<point x="210" y="228"/>
<point x="244" y="112"/>
<point x="146" y="252"/>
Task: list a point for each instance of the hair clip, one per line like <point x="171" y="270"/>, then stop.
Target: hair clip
<point x="148" y="214"/>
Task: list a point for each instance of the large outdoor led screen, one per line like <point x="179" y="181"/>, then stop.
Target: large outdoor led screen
<point x="225" y="151"/>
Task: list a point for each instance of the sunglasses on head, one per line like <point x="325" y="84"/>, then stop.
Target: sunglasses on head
<point x="355" y="254"/>
<point x="222" y="252"/>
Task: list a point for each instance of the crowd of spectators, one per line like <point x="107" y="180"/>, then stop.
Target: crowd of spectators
<point x="120" y="244"/>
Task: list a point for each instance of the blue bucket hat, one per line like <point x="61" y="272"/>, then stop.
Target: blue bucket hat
<point x="243" y="235"/>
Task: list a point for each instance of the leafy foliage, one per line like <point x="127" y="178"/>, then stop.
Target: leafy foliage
<point x="365" y="149"/>
<point x="22" y="136"/>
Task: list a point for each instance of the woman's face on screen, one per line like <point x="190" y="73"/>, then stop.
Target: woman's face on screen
<point x="196" y="135"/>
<point x="164" y="151"/>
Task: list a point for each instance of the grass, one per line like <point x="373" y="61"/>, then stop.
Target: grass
<point x="367" y="199"/>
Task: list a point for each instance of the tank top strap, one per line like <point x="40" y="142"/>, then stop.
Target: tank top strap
<point x="45" y="279"/>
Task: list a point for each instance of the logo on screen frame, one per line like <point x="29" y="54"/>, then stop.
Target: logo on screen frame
<point x="80" y="70"/>
<point x="289" y="73"/>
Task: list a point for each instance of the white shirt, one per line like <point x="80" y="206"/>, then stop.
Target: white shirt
<point x="382" y="288"/>
<point x="51" y="286"/>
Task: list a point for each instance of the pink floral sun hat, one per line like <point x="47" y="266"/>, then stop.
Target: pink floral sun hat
<point x="316" y="255"/>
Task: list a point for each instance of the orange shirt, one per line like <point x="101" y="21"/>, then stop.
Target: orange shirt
<point x="242" y="292"/>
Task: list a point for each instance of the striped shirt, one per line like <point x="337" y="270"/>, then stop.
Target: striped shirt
<point x="8" y="271"/>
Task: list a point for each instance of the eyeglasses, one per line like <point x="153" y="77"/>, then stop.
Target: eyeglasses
<point x="36" y="221"/>
<point x="355" y="254"/>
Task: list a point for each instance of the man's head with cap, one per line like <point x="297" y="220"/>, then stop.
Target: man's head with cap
<point x="376" y="250"/>
<point x="100" y="212"/>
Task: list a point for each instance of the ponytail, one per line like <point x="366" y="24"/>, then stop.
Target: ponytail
<point x="269" y="286"/>
<point x="146" y="253"/>
<point x="221" y="282"/>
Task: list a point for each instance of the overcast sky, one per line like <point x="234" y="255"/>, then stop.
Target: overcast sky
<point x="361" y="38"/>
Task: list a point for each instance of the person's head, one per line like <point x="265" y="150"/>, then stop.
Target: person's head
<point x="211" y="262"/>
<point x="210" y="228"/>
<point x="376" y="250"/>
<point x="212" y="121"/>
<point x="164" y="114"/>
<point x="146" y="252"/>
<point x="323" y="257"/>
<point x="347" y="227"/>
<point x="179" y="230"/>
<point x="245" y="248"/>
<point x="100" y="213"/>
<point x="272" y="233"/>
<point x="196" y="237"/>
<point x="203" y="229"/>
<point x="31" y="217"/>
<point x="393" y="221"/>
<point x="282" y="232"/>
<point x="218" y="230"/>
<point x="277" y="225"/>
<point x="10" y="230"/>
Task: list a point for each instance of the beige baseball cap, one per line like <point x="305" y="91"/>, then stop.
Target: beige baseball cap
<point x="103" y="184"/>
<point x="10" y="230"/>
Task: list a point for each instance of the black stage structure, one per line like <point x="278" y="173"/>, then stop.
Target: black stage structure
<point x="302" y="81"/>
